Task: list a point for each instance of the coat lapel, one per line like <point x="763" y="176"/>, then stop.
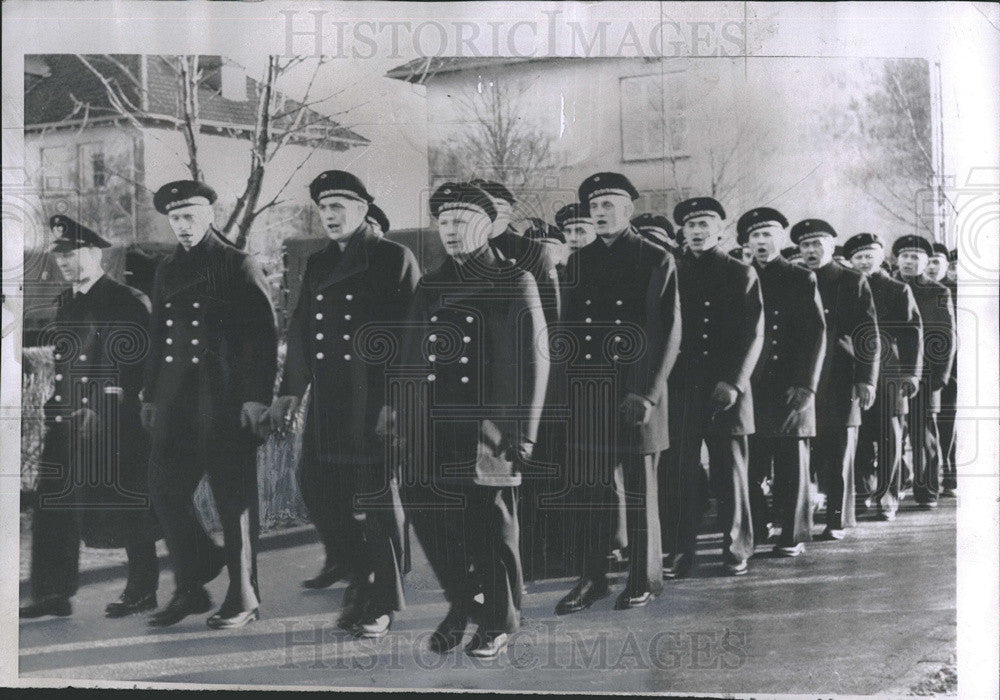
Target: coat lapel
<point x="355" y="259"/>
<point x="190" y="272"/>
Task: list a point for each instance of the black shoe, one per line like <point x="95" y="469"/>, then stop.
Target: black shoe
<point x="486" y="645"/>
<point x="678" y="566"/>
<point x="927" y="505"/>
<point x="213" y="565"/>
<point x="832" y="534"/>
<point x="737" y="568"/>
<point x="449" y="633"/>
<point x="947" y="492"/>
<point x="626" y="600"/>
<point x="585" y="593"/>
<point x="49" y="605"/>
<point x="187" y="602"/>
<point x="131" y="604"/>
<point x="327" y="576"/>
<point x="374" y="627"/>
<point x="352" y="609"/>
<point x="789" y="550"/>
<point x="224" y="620"/>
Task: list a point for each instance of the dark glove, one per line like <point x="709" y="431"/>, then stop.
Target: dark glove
<point x="635" y="409"/>
<point x="865" y="394"/>
<point x="147" y="415"/>
<point x="724" y="396"/>
<point x="909" y="387"/>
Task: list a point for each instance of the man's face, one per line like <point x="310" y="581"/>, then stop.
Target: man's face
<point x="341" y="216"/>
<point x="868" y="260"/>
<point x="612" y="213"/>
<point x="579" y="235"/>
<point x="504" y="211"/>
<point x="701" y="233"/>
<point x="463" y="231"/>
<point x="817" y="251"/>
<point x="764" y="242"/>
<point x="78" y="265"/>
<point x="937" y="265"/>
<point x="912" y="263"/>
<point x="953" y="271"/>
<point x="190" y="224"/>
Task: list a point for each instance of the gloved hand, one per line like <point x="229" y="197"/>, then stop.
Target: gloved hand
<point x="282" y="412"/>
<point x="254" y="416"/>
<point x="635" y="409"/>
<point x="147" y="415"/>
<point x="865" y="394"/>
<point x="86" y="421"/>
<point x="798" y="399"/>
<point x="724" y="396"/>
<point x="909" y="387"/>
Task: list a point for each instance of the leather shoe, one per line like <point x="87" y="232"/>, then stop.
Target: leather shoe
<point x="486" y="645"/>
<point x="374" y="627"/>
<point x="626" y="600"/>
<point x="678" y="566"/>
<point x="789" y="550"/>
<point x="131" y="604"/>
<point x="327" y="576"/>
<point x="449" y="633"/>
<point x="224" y="620"/>
<point x="832" y="533"/>
<point x="927" y="505"/>
<point x="886" y="515"/>
<point x="585" y="593"/>
<point x="49" y="605"/>
<point x="947" y="492"/>
<point x="187" y="602"/>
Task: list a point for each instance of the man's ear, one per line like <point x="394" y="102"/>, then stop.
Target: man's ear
<point x="629" y="209"/>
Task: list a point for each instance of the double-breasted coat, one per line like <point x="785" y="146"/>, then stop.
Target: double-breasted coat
<point x="478" y="345"/>
<point x="901" y="334"/>
<point x="532" y="257"/>
<point x="622" y="312"/>
<point x="100" y="344"/>
<point x="794" y="345"/>
<point x="937" y="313"/>
<point x="852" y="345"/>
<point x="722" y="336"/>
<point x="370" y="282"/>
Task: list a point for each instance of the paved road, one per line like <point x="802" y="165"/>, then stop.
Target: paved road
<point x="854" y="617"/>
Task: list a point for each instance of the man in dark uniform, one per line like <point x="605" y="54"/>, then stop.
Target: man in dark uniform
<point x="656" y="229"/>
<point x="377" y="219"/>
<point x="209" y="380"/>
<point x="784" y="384"/>
<point x="880" y="437"/>
<point x="793" y="255"/>
<point x="711" y="397"/>
<point x="850" y="370"/>
<point x="623" y="313"/>
<point x="353" y="500"/>
<point x="479" y="386"/>
<point x="525" y="254"/>
<point x="937" y="313"/>
<point x="949" y="395"/>
<point x="93" y="467"/>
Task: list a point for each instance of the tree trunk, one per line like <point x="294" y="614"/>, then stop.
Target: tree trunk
<point x="189" y="112"/>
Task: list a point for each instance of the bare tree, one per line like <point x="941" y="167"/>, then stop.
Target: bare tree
<point x="278" y="122"/>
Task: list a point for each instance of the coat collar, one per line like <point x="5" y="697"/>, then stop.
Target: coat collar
<point x="191" y="266"/>
<point x="453" y="281"/>
<point x="354" y="259"/>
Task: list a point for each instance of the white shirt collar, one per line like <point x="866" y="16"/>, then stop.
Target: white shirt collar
<point x="85" y="287"/>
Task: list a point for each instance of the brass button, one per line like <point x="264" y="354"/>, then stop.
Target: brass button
<point x="347" y="357"/>
<point x="618" y="302"/>
<point x="432" y="358"/>
<point x="319" y="356"/>
<point x="431" y="377"/>
<point x="466" y="339"/>
<point x="319" y="336"/>
<point x="58" y="377"/>
<point x="170" y="341"/>
<point x="169" y="358"/>
<point x="346" y="336"/>
<point x="84" y="400"/>
<point x="170" y="322"/>
<point x="58" y="397"/>
<point x="468" y="319"/>
<point x="194" y="341"/>
<point x="194" y="323"/>
<point x="194" y="360"/>
<point x="347" y="317"/>
<point x="464" y="360"/>
<point x="349" y="297"/>
<point x="588" y="356"/>
<point x="83" y="358"/>
<point x="434" y="319"/>
<point x="84" y="380"/>
<point x="432" y="337"/>
<point x="319" y="297"/>
<point x="167" y="305"/>
<point x="319" y="317"/>
<point x="465" y="380"/>
<point x="196" y="305"/>
<point x="588" y="338"/>
<point x="58" y="419"/>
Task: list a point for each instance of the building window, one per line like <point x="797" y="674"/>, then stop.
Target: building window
<point x="93" y="174"/>
<point x="654" y="118"/>
<point x="57" y="168"/>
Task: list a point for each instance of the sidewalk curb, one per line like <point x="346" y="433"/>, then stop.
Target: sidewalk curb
<point x="280" y="539"/>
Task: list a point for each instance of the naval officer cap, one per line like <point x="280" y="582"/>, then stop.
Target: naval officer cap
<point x="462" y="195"/>
<point x="573" y="213"/>
<point x="72" y="235"/>
<point x="940" y="249"/>
<point x="697" y="206"/>
<point x="655" y="224"/>
<point x="182" y="193"/>
<point x="338" y="183"/>
<point x="861" y="241"/>
<point x="755" y="219"/>
<point x="539" y="230"/>
<point x="912" y="243"/>
<point x="600" y="184"/>
<point x="811" y="228"/>
<point x="494" y="189"/>
<point x="376" y="216"/>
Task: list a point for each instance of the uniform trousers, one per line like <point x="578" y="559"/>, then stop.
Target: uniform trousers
<point x="946" y="428"/>
<point x="357" y="512"/>
<point x="833" y="451"/>
<point x="788" y="457"/>
<point x="681" y="507"/>
<point x="469" y="534"/>
<point x="879" y="453"/>
<point x="925" y="446"/>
